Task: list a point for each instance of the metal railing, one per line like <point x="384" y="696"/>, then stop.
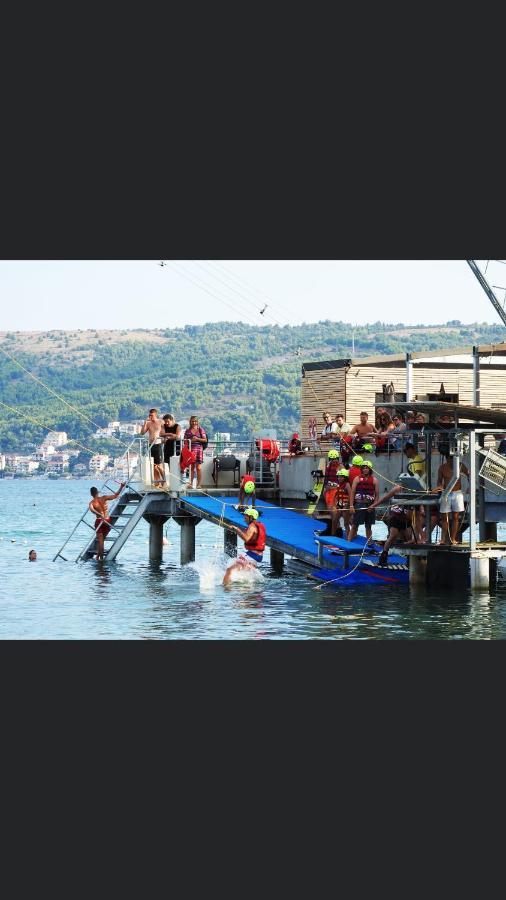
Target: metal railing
<point x="141" y="442"/>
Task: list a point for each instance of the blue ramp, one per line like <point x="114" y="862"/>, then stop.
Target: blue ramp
<point x="294" y="530"/>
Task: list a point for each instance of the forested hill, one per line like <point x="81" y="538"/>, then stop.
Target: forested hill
<point x="236" y="377"/>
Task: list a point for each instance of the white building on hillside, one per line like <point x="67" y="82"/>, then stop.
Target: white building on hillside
<point x="25" y="466"/>
<point x="2" y="462"/>
<point x="131" y="428"/>
<point x="98" y="462"/>
<point x="55" y="439"/>
<point x="43" y="453"/>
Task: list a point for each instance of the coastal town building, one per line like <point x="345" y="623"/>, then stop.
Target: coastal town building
<point x="98" y="462"/>
<point x="2" y="462"/>
<point x="58" y="464"/>
<point x="55" y="439"/>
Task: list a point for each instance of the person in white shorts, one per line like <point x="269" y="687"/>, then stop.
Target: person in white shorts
<point x="454" y="504"/>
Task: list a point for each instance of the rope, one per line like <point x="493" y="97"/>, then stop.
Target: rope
<point x="347" y="574"/>
<point x="50" y="391"/>
<point x="45" y="427"/>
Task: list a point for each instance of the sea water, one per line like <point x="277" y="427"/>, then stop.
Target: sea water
<point x="133" y="599"/>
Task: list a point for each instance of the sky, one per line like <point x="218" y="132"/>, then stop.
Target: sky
<point x="68" y="294"/>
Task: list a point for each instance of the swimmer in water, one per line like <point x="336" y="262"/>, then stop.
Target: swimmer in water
<point x="254" y="544"/>
<point x="99" y="506"/>
<point x="32" y="556"/>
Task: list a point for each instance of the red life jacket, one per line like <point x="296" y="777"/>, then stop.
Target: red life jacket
<point x="342" y="497"/>
<point x="366" y="491"/>
<point x="332" y="470"/>
<point x="257" y="544"/>
<point x="354" y="472"/>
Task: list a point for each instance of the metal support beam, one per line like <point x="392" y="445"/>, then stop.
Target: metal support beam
<point x="417" y="569"/>
<point x="155" y="540"/>
<point x="187" y="541"/>
<point x="472" y="490"/>
<point x="476" y="377"/>
<point x="277" y="560"/>
<point x="480" y="572"/>
<point x="409" y="378"/>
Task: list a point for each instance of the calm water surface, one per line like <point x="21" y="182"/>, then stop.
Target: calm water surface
<point x="133" y="599"/>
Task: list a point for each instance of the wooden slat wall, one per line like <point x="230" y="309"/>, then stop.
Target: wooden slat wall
<point x="323" y="389"/>
<point x="355" y="390"/>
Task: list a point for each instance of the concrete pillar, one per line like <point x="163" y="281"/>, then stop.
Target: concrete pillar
<point x="277" y="560"/>
<point x="155" y="540"/>
<point x="187" y="541"/>
<point x="230" y="542"/>
<point x="480" y="573"/>
<point x="417" y="569"/>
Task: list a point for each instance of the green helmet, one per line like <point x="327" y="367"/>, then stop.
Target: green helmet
<point x="357" y="461"/>
<point x="344" y="473"/>
<point x="368" y="448"/>
<point x="367" y="463"/>
<point x="249" y="487"/>
<point x="333" y="454"/>
<point x="252" y="513"/>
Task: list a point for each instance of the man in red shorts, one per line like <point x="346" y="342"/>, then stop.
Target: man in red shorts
<point x="99" y="506"/>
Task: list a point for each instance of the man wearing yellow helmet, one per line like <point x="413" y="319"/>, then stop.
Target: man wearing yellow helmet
<point x="341" y="505"/>
<point x="254" y="543"/>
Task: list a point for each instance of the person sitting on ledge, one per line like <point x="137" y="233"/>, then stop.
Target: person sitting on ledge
<point x="362" y="431"/>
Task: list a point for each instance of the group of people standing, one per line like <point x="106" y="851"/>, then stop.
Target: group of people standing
<point x="167" y="440"/>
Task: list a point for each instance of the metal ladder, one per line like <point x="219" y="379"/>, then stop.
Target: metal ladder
<point x="123" y="519"/>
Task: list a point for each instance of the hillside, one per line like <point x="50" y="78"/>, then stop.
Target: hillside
<point x="236" y="377"/>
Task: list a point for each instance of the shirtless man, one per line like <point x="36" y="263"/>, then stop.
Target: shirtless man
<point x="455" y="502"/>
<point x="99" y="506"/>
<point x="361" y="431"/>
<point x="153" y="426"/>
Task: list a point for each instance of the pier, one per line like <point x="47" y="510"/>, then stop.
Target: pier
<point x="282" y="499"/>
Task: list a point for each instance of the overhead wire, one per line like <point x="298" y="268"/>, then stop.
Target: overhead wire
<point x="254" y="290"/>
<point x="54" y="393"/>
<point x="44" y="426"/>
<point x="235" y="291"/>
<point x="212" y="293"/>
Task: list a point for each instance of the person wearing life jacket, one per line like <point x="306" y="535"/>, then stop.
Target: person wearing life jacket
<point x="341" y="505"/>
<point x="355" y="469"/>
<point x="364" y="492"/>
<point x="332" y="468"/>
<point x="254" y="544"/>
<point x="247" y="489"/>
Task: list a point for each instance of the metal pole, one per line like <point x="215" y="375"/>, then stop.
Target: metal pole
<point x="476" y="377"/>
<point x="472" y="489"/>
<point x="409" y="378"/>
<point x="428" y="479"/>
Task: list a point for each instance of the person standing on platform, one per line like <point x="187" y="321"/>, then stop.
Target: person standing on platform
<point x="171" y="434"/>
<point x="364" y="492"/>
<point x="153" y="426"/>
<point x="196" y="440"/>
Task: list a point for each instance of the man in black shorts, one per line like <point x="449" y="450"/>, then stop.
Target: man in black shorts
<point x="171" y="434"/>
<point x="399" y="528"/>
<point x="153" y="426"/>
